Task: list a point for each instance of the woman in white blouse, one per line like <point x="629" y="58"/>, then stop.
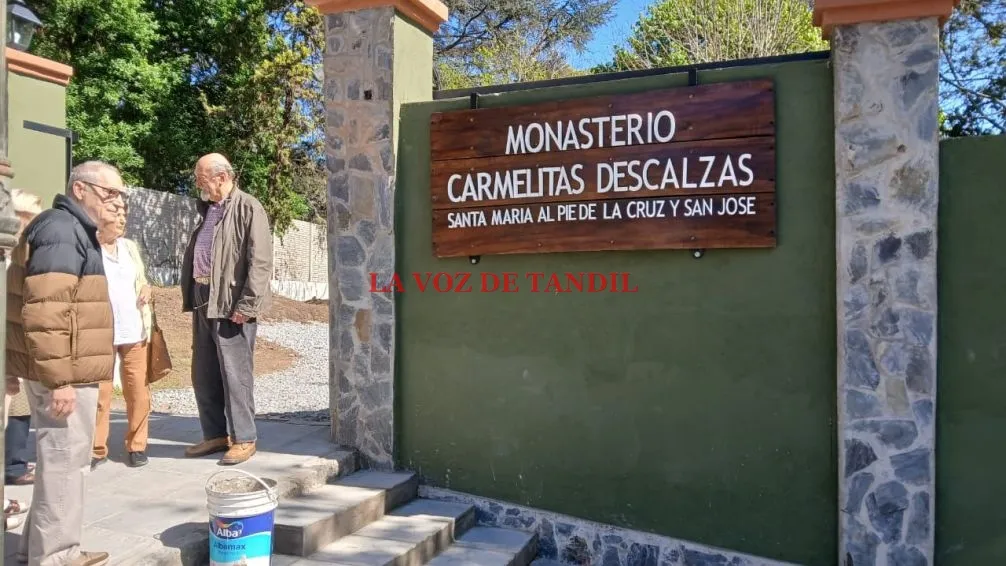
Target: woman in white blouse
<point x="129" y="293"/>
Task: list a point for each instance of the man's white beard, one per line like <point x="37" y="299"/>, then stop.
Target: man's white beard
<point x="204" y="196"/>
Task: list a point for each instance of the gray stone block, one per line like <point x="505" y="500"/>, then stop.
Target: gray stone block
<point x="520" y="546"/>
<point x="470" y="556"/>
<point x="462" y="515"/>
<point x="362" y="551"/>
<point x="400" y="487"/>
<point x="305" y="524"/>
<point x="397" y="540"/>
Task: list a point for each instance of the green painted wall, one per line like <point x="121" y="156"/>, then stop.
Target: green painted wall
<point x="699" y="408"/>
<point x="971" y="411"/>
<point x="412" y="84"/>
<point x="39" y="159"/>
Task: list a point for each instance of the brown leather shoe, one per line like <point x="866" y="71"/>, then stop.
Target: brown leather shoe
<point x="207" y="447"/>
<point x="91" y="559"/>
<point x="239" y="452"/>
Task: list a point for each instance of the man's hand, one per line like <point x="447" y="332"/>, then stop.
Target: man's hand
<point x="238" y="318"/>
<point x="144" y="297"/>
<point x="64" y="401"/>
<point x="13" y="386"/>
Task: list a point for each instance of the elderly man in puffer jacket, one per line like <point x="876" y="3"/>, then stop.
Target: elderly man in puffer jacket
<point x="65" y="352"/>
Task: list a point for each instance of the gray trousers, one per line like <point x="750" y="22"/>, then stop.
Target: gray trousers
<point x="55" y="523"/>
<point x="222" y="373"/>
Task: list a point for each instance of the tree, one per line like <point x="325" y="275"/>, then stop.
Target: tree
<point x="117" y="89"/>
<point x="682" y="32"/>
<point x="480" y="32"/>
<point x="160" y="82"/>
<point x="509" y="58"/>
<point x="972" y="69"/>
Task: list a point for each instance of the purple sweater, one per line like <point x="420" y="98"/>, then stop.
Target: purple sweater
<point x="203" y="256"/>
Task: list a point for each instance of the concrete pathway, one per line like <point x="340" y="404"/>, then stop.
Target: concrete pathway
<point x="157" y="514"/>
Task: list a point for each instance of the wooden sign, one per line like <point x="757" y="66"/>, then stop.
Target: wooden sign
<point x="682" y="168"/>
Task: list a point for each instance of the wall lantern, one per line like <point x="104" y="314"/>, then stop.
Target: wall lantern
<point x="21" y="25"/>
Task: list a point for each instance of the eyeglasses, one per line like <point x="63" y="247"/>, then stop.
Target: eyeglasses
<point x="203" y="180"/>
<point x="107" y="194"/>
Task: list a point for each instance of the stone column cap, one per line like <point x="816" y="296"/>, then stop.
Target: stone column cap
<point x="427" y="13"/>
<point x="831" y="13"/>
<point x="37" y="67"/>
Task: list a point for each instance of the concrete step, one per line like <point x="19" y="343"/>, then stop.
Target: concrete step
<point x="410" y="536"/>
<point x="486" y="546"/>
<point x="317" y="518"/>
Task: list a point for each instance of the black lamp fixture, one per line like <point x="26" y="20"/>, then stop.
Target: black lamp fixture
<point x="21" y="25"/>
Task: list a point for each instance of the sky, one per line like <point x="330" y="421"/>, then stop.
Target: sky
<point x="615" y="32"/>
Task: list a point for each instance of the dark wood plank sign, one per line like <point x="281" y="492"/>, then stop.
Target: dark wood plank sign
<point x="681" y="168"/>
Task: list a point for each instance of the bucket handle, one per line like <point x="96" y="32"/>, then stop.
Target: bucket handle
<point x="268" y="490"/>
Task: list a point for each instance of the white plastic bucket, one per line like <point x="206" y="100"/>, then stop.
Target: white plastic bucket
<point x="242" y="512"/>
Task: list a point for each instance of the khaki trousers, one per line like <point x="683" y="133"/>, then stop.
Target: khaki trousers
<point x="137" y="394"/>
<point x="55" y="523"/>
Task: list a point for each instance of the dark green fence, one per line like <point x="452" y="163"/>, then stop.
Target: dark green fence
<point x="701" y="407"/>
<point x="971" y="406"/>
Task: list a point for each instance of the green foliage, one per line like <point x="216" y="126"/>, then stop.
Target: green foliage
<point x="474" y="23"/>
<point x="509" y="58"/>
<point x="681" y="32"/>
<point x="973" y="69"/>
<point x="158" y="83"/>
<point x="489" y="42"/>
<point x="118" y="87"/>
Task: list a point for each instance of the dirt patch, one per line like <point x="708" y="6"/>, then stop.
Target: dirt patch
<point x="269" y="356"/>
<point x="285" y="310"/>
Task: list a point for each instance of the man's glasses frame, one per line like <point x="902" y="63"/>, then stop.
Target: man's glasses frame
<point x="110" y="193"/>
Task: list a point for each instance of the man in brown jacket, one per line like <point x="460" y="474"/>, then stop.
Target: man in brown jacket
<point x="226" y="274"/>
<point x="56" y="282"/>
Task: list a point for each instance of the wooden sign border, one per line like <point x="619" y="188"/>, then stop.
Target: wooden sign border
<point x="469" y="140"/>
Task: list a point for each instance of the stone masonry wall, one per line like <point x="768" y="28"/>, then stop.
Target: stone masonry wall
<point x="887" y="188"/>
<point x="161" y="224"/>
<point x="576" y="541"/>
<point x="301" y="254"/>
<point x="361" y="163"/>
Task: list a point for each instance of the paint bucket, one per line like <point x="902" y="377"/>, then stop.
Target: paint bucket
<point x="242" y="512"/>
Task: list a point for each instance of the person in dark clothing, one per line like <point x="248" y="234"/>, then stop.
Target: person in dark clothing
<point x="61" y="346"/>
<point x="225" y="279"/>
<point x="17" y="467"/>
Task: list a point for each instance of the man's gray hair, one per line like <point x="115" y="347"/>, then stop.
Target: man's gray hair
<point x="88" y="172"/>
<point x="220" y="166"/>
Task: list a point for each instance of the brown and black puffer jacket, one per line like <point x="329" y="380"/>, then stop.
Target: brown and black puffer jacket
<point x="59" y="320"/>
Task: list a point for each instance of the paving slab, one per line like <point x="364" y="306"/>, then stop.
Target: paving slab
<point x="308" y="522"/>
<point x="157" y="514"/>
<point x="470" y="556"/>
<point x="412" y="534"/>
<point x="399" y="487"/>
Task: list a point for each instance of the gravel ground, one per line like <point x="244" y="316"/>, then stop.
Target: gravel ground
<point x="297" y="393"/>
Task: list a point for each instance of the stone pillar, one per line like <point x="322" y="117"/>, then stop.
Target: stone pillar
<point x="378" y="55"/>
<point x="885" y="56"/>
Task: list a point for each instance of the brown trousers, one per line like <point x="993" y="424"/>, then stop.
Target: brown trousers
<point x="133" y="368"/>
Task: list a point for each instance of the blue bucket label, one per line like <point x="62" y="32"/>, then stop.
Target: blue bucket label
<point x="245" y="541"/>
